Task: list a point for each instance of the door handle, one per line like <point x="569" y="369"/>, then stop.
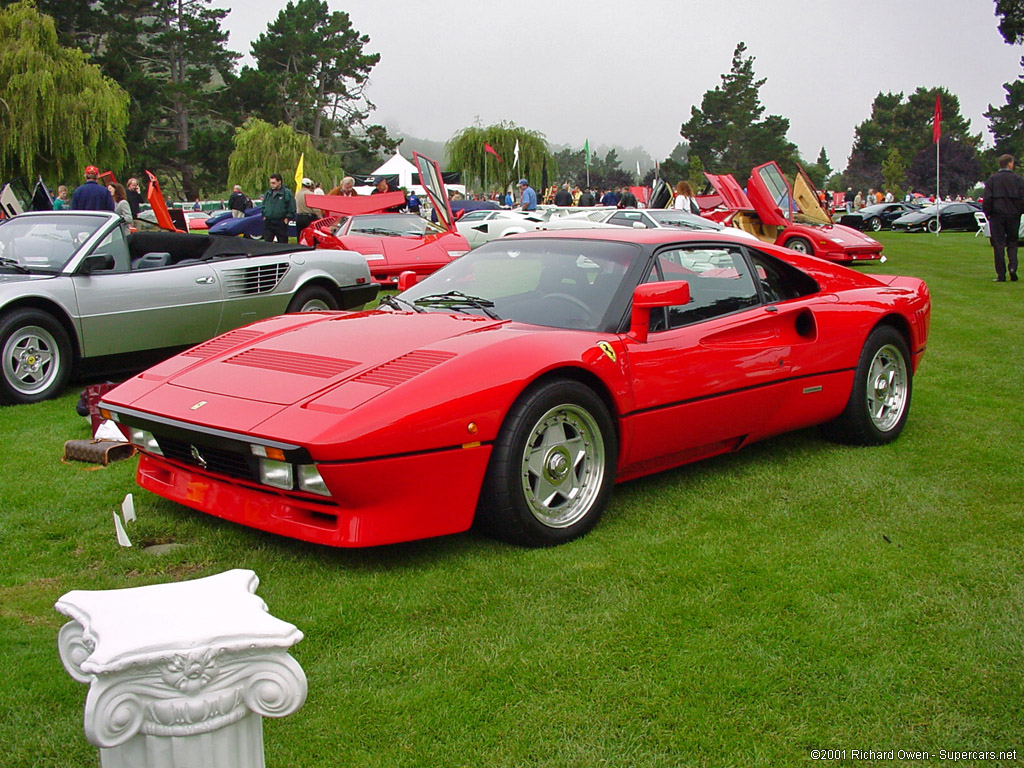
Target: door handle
<point x="204" y="280"/>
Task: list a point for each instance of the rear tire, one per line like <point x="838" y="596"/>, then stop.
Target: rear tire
<point x="933" y="225"/>
<point x="36" y="356"/>
<point x="880" y="399"/>
<point x="800" y="245"/>
<point x="875" y="225"/>
<point x="313" y="298"/>
<point x="553" y="467"/>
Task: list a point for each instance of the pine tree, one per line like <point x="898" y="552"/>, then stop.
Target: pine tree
<point x="728" y="132"/>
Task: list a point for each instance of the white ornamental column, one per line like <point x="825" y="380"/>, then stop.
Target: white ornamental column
<point x="180" y="674"/>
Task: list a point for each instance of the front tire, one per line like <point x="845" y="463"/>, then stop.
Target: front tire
<point x="875" y="224"/>
<point x="933" y="225"/>
<point x="880" y="400"/>
<point x="36" y="360"/>
<point x="553" y="467"/>
<point x="800" y="245"/>
<point x="313" y="298"/>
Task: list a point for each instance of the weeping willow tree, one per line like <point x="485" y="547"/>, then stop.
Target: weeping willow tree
<point x="58" y="113"/>
<point x="262" y="149"/>
<point x="466" y="152"/>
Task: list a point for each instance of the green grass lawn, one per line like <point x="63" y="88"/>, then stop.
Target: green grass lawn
<point x="737" y="612"/>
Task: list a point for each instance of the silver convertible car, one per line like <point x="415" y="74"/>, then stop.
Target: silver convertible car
<point x="78" y="291"/>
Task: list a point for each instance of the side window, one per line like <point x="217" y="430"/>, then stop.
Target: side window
<point x="720" y="282"/>
<point x="779" y="281"/>
<point x="116" y="246"/>
<point x="626" y="218"/>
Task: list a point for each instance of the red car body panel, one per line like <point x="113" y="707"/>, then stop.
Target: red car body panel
<point x="399" y="410"/>
<point x="757" y="212"/>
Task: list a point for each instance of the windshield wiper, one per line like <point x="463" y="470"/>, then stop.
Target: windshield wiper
<point x="13" y="264"/>
<point x="393" y="301"/>
<point x="456" y="299"/>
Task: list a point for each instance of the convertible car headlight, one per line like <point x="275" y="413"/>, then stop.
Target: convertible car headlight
<point x="278" y="474"/>
<point x="310" y="480"/>
<point x="146" y="441"/>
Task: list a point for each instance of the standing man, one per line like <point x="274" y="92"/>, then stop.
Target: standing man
<point x="238" y="203"/>
<point x="91" y="196"/>
<point x="527" y="196"/>
<point x="304" y="215"/>
<point x="278" y="209"/>
<point x="1003" y="205"/>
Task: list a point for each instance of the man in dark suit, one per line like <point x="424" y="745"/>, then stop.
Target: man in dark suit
<point x="1003" y="205"/>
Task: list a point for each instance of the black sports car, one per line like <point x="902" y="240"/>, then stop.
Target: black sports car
<point x="948" y="215"/>
<point x="876" y="217"/>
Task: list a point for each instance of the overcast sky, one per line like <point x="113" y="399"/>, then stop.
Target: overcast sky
<point x="627" y="73"/>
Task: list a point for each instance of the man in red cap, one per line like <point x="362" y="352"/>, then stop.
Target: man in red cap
<point x="91" y="196"/>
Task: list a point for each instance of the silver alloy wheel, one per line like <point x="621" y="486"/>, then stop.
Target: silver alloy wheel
<point x="887" y="391"/>
<point x="31" y="359"/>
<point x="799" y="245"/>
<point x="562" y="467"/>
<point x="315" y="305"/>
<point x="876" y="224"/>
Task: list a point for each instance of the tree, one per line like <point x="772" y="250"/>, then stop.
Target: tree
<point x="1006" y="123"/>
<point x="894" y="172"/>
<point x="906" y="124"/>
<point x="315" y="61"/>
<point x="466" y="153"/>
<point x="262" y="149"/>
<point x="1011" y="24"/>
<point x="728" y="132"/>
<point x="960" y="169"/>
<point x="697" y="178"/>
<point x="58" y="113"/>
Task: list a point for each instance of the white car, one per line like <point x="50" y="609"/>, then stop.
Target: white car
<point x="639" y="218"/>
<point x="479" y="227"/>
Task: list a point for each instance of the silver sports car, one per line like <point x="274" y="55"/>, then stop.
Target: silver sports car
<point x="78" y="290"/>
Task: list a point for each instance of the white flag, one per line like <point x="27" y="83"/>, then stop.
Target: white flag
<point x="638" y="170"/>
<point x="515" y="161"/>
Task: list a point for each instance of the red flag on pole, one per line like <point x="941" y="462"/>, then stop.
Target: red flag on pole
<point x="489" y="148"/>
<point x="937" y="122"/>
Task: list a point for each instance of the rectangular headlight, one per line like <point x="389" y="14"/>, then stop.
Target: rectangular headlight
<point x="310" y="480"/>
<point x="146" y="441"/>
<point x="277" y="474"/>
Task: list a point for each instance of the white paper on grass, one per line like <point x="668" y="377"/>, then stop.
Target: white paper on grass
<point x="107" y="430"/>
<point x="122" y="537"/>
<point x="128" y="508"/>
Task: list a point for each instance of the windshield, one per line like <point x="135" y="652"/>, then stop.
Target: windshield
<point x="393" y="225"/>
<point x="557" y="283"/>
<point x="682" y="219"/>
<point x="44" y="243"/>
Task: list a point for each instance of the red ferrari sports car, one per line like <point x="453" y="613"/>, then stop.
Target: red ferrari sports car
<point x="514" y="387"/>
<point x="774" y="212"/>
<point x="391" y="242"/>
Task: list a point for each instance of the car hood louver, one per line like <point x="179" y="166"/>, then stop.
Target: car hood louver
<point x="383" y="350"/>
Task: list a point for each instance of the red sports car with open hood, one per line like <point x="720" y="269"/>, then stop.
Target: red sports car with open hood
<point x="792" y="217"/>
<point x="514" y="387"/>
<point x="390" y="242"/>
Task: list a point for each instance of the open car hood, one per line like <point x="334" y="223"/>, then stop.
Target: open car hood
<point x="355" y="205"/>
<point x="433" y="184"/>
<point x="730" y="191"/>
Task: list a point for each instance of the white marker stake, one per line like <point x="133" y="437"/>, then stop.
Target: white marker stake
<point x="128" y="508"/>
<point x="122" y="537"/>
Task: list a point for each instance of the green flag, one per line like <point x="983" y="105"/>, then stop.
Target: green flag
<point x="586" y="152"/>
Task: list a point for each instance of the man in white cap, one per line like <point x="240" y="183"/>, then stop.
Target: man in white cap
<point x="304" y="215"/>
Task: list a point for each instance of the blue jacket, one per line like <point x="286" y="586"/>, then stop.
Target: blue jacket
<point x="529" y="199"/>
<point x="91" y="196"/>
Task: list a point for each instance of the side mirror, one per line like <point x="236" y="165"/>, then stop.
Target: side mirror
<point x="639" y="225"/>
<point x="96" y="262"/>
<point x="407" y="279"/>
<point x="654" y="296"/>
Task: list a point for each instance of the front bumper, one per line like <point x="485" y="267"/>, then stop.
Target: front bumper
<point x="373" y="502"/>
